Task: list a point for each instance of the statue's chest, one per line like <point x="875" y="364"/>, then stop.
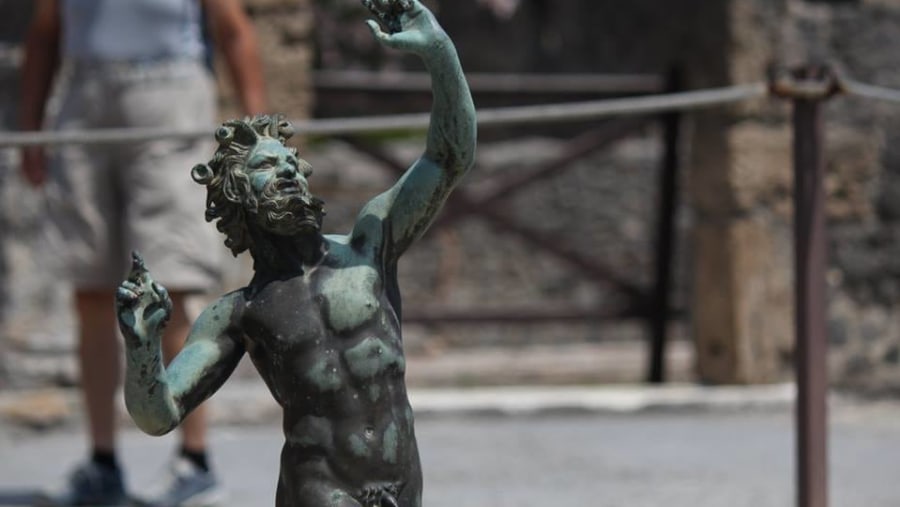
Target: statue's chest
<point x="348" y="297"/>
<point x="327" y="302"/>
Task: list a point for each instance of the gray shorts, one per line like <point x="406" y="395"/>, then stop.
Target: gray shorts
<point x="110" y="199"/>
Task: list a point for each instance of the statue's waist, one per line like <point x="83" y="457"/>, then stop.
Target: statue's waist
<point x="389" y="425"/>
<point x="353" y="470"/>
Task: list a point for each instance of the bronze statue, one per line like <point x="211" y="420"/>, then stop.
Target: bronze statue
<point x="321" y="317"/>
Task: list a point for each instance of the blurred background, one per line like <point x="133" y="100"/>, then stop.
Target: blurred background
<point x="562" y="267"/>
<point x="568" y="268"/>
<point x="561" y="261"/>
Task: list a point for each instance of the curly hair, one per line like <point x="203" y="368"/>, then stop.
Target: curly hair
<point x="229" y="197"/>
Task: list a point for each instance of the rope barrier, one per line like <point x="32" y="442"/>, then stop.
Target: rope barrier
<point x="366" y="81"/>
<point x="622" y="107"/>
<point x="858" y="89"/>
<point x="523" y="115"/>
<point x="550" y="113"/>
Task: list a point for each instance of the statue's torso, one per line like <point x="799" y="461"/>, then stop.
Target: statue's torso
<point x="327" y="343"/>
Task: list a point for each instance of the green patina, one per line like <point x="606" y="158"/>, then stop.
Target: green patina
<point x="350" y="296"/>
<point x="325" y="375"/>
<point x="368" y="358"/>
<point x="311" y="430"/>
<point x="358" y="446"/>
<point x="339" y="498"/>
<point x="389" y="452"/>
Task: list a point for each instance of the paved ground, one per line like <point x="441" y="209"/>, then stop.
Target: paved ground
<point x="642" y="454"/>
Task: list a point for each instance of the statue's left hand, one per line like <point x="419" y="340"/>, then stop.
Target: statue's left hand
<point x="410" y="26"/>
<point x="142" y="306"/>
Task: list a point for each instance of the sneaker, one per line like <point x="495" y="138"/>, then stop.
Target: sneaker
<point x="184" y="485"/>
<point x="89" y="484"/>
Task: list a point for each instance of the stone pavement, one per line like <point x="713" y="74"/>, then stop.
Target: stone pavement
<point x="675" y="446"/>
<point x="521" y="444"/>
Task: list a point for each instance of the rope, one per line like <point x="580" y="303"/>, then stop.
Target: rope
<point x="622" y="107"/>
<point x="858" y="89"/>
<point x="551" y="113"/>
<point x="356" y="80"/>
<point x="547" y="113"/>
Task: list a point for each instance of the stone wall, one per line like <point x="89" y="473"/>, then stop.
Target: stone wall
<point x="741" y="184"/>
<point x="739" y="173"/>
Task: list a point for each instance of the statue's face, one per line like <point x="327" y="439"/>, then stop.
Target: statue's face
<point x="278" y="180"/>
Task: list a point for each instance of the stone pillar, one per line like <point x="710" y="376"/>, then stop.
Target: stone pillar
<point x="742" y="303"/>
<point x="740" y="176"/>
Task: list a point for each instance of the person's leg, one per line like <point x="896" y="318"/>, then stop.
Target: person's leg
<point x="99" y="355"/>
<point x="101" y="371"/>
<point x="193" y="428"/>
<point x="99" y="480"/>
<point x="80" y="203"/>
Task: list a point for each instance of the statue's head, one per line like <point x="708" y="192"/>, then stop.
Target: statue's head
<point x="254" y="179"/>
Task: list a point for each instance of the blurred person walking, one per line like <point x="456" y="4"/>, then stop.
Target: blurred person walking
<point x="120" y="64"/>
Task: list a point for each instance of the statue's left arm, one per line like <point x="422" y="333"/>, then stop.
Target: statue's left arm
<point x="410" y="206"/>
<point x="158" y="397"/>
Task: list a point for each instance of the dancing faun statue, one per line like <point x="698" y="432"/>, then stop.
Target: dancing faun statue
<point x="321" y="317"/>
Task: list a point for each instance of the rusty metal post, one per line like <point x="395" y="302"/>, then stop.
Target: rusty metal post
<point x="809" y="90"/>
<point x="664" y="246"/>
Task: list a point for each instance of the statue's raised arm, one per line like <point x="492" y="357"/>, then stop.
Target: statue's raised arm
<point x="409" y="207"/>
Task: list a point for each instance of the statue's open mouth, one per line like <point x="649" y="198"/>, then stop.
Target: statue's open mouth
<point x="308" y="222"/>
<point x="287" y="186"/>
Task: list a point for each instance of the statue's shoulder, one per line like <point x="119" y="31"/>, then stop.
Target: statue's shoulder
<point x="222" y="313"/>
<point x="232" y="302"/>
<point x="349" y="250"/>
<point x="235" y="296"/>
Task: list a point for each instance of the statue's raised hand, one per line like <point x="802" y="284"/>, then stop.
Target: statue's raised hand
<point x="410" y="26"/>
<point x="142" y="306"/>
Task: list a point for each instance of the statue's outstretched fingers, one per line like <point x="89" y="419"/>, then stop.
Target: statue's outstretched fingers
<point x="132" y="287"/>
<point x="378" y="11"/>
<point x="162" y="295"/>
<point x="127" y="294"/>
<point x="369" y="4"/>
<point x="395" y="8"/>
<point x="138" y="268"/>
<point x="137" y="262"/>
<point x="377" y="31"/>
<point x="160" y="291"/>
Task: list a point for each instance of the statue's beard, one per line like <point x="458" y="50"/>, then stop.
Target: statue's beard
<point x="289" y="213"/>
